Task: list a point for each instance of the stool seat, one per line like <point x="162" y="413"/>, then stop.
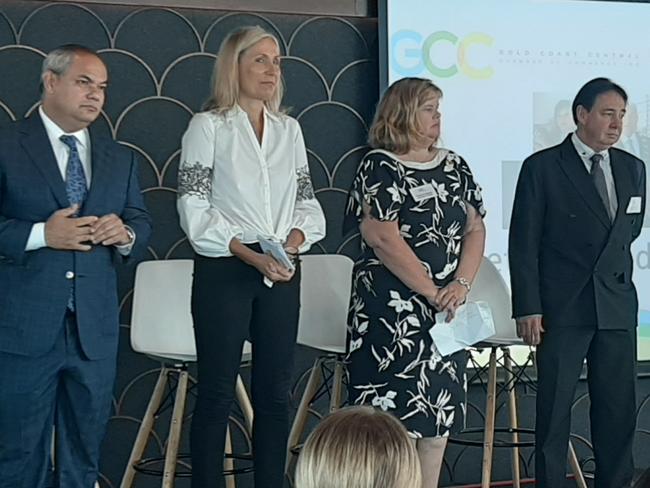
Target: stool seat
<point x="162" y="328"/>
<point x="324" y="301"/>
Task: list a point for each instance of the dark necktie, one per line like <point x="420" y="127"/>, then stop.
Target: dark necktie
<point x="75" y="187"/>
<point x="75" y="177"/>
<point x="598" y="176"/>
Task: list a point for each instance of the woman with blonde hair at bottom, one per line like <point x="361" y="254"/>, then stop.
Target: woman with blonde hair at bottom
<point x="359" y="447"/>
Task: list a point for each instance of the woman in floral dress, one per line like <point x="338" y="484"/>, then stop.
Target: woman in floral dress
<point x="420" y="214"/>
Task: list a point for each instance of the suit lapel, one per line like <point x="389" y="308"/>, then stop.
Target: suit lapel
<point x="37" y="145"/>
<point x="100" y="176"/>
<point x="575" y="170"/>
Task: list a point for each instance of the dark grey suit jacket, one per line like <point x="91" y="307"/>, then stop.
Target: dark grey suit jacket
<point x="567" y="260"/>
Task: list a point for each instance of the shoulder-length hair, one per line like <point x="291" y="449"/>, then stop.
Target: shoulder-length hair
<point x="359" y="447"/>
<point x="395" y="125"/>
<point x="225" y="75"/>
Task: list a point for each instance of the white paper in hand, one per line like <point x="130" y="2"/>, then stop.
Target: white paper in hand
<point x="276" y="250"/>
<point x="472" y="323"/>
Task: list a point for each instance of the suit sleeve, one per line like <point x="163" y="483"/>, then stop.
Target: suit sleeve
<point x="14" y="233"/>
<point x="525" y="241"/>
<point x="135" y="214"/>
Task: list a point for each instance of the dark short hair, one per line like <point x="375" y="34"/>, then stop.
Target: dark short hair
<point x="587" y="95"/>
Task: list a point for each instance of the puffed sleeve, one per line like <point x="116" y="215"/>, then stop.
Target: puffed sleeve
<point x="207" y="230"/>
<point x="471" y="190"/>
<point x="379" y="184"/>
<point x="308" y="215"/>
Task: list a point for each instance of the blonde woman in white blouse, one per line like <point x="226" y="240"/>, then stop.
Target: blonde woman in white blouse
<point x="244" y="174"/>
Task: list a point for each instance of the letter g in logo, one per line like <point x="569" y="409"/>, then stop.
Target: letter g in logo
<point x="409" y="42"/>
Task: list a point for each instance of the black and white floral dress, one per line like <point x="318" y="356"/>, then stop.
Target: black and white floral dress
<point x="393" y="363"/>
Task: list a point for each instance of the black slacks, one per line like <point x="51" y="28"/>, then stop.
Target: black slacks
<point x="230" y="303"/>
<point x="611" y="364"/>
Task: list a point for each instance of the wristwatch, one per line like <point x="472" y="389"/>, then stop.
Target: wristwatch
<point x="130" y="233"/>
<point x="464" y="282"/>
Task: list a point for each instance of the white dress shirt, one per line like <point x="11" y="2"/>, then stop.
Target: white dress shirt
<point x="586" y="153"/>
<point x="36" y="238"/>
<point x="61" y="151"/>
<point x="232" y="186"/>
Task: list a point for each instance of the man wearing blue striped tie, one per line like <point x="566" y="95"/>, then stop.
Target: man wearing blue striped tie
<point x="70" y="208"/>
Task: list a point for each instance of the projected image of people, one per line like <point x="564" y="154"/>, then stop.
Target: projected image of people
<point x="553" y="132"/>
<point x="420" y="214"/>
<point x="633" y="139"/>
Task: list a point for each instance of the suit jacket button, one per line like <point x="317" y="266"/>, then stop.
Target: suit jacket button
<point x="69" y="275"/>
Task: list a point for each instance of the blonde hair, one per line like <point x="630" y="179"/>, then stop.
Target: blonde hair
<point x="395" y="126"/>
<point x="225" y="76"/>
<point x="359" y="447"/>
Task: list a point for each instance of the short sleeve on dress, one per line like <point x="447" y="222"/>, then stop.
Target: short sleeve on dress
<point x="379" y="184"/>
<point x="472" y="192"/>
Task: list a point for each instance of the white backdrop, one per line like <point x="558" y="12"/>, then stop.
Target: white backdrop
<point x="508" y="69"/>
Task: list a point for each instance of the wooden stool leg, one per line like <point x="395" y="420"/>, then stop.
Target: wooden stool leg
<point x="512" y="410"/>
<point x="245" y="404"/>
<point x="298" y="426"/>
<point x="575" y="467"/>
<point x="490" y="411"/>
<point x="228" y="463"/>
<point x="145" y="428"/>
<point x="176" y="425"/>
<point x="337" y="385"/>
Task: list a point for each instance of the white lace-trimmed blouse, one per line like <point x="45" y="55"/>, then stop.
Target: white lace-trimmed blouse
<point x="231" y="186"/>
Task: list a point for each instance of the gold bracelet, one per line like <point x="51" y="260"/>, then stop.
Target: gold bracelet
<point x="464" y="282"/>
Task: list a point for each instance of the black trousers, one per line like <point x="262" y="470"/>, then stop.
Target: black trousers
<point x="230" y="303"/>
<point x="611" y="363"/>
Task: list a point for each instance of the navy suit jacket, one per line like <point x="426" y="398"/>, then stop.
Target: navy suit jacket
<point x="568" y="261"/>
<point x="35" y="285"/>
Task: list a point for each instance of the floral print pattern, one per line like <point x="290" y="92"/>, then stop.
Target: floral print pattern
<point x="392" y="361"/>
<point x="195" y="179"/>
<point x="305" y="187"/>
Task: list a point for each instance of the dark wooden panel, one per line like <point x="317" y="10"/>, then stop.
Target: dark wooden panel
<point x="348" y="8"/>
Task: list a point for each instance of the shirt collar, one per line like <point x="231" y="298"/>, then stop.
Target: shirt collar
<point x="55" y="132"/>
<point x="237" y="111"/>
<point x="585" y="151"/>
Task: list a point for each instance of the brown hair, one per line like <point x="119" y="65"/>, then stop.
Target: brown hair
<point x="395" y="125"/>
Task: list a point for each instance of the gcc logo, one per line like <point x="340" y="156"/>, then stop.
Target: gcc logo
<point x="412" y="47"/>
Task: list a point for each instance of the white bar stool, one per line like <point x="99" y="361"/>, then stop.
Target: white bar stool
<point x="162" y="328"/>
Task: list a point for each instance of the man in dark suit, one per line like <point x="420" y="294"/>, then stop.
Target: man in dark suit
<point x="578" y="208"/>
<point x="70" y="208"/>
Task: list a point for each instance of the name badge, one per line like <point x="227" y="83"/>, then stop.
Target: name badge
<point x="422" y="192"/>
<point x="634" y="206"/>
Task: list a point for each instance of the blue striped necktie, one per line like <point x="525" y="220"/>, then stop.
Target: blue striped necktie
<point x="75" y="177"/>
<point x="75" y="187"/>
